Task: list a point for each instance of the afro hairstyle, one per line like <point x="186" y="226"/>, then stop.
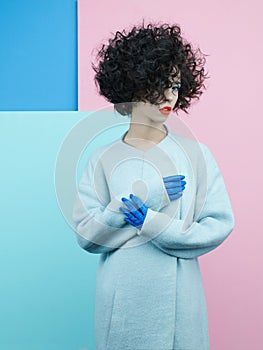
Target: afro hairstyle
<point x="138" y="66"/>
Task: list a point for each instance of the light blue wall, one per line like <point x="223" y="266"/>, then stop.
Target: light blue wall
<point x="47" y="289"/>
<point x="38" y="60"/>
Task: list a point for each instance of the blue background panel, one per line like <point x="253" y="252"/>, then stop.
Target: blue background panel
<point x="47" y="292"/>
<point x="38" y="61"/>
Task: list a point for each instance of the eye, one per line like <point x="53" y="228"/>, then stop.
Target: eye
<point x="176" y="87"/>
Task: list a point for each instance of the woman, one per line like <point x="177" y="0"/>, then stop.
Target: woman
<point x="133" y="206"/>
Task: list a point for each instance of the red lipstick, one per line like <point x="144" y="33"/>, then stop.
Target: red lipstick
<point x="165" y="110"/>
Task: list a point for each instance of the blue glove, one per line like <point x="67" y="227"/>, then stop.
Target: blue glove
<point x="174" y="186"/>
<point x="136" y="212"/>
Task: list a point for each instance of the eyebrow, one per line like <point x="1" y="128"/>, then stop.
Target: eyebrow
<point x="177" y="82"/>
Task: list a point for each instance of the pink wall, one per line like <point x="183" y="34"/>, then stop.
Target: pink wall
<point x="228" y="118"/>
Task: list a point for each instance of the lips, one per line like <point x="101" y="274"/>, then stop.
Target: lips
<point x="165" y="109"/>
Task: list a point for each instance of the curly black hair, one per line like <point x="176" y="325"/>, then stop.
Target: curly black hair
<point x="139" y="65"/>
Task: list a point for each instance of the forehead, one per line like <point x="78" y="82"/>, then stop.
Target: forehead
<point x="176" y="75"/>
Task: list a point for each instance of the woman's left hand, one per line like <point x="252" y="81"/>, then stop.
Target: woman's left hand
<point x="174" y="185"/>
<point x="135" y="211"/>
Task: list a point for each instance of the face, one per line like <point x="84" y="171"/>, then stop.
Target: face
<point x="158" y="113"/>
<point x="171" y="93"/>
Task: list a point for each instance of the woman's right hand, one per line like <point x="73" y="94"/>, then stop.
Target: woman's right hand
<point x="174" y="185"/>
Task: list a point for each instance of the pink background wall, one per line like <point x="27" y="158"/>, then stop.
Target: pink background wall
<point x="228" y="118"/>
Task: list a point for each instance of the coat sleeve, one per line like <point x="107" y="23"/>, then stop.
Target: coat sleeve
<point x="98" y="223"/>
<point x="212" y="227"/>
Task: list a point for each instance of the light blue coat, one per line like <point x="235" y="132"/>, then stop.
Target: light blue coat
<point x="149" y="290"/>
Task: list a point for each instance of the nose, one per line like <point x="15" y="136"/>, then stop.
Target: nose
<point x="170" y="96"/>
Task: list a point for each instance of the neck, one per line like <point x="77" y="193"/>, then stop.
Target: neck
<point x="149" y="132"/>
